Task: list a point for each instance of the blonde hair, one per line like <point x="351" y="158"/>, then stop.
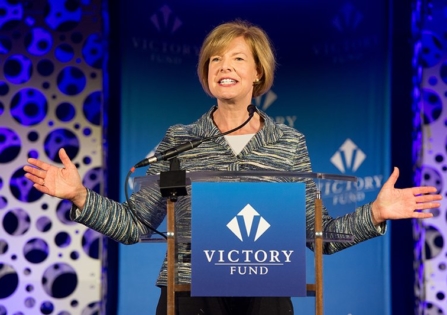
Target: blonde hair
<point x="258" y="41"/>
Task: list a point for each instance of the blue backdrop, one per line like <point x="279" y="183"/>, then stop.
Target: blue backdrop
<point x="331" y="84"/>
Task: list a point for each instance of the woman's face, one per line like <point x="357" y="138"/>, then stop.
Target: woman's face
<point x="231" y="74"/>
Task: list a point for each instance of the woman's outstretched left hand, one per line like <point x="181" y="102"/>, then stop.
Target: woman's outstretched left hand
<point x="392" y="203"/>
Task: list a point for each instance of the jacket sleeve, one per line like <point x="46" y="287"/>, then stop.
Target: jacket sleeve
<point x="119" y="221"/>
<point x="124" y="222"/>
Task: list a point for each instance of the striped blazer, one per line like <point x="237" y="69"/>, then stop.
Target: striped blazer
<point x="275" y="147"/>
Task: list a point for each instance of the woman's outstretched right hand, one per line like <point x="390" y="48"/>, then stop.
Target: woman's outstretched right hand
<point x="62" y="182"/>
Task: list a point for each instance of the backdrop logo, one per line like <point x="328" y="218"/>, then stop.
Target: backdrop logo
<point x="164" y="19"/>
<point x="351" y="44"/>
<point x="248" y="214"/>
<point x="265" y="101"/>
<point x="347" y="19"/>
<point x="348" y="157"/>
<point x="163" y="45"/>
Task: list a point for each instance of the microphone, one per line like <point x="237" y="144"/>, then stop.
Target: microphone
<point x="172" y="152"/>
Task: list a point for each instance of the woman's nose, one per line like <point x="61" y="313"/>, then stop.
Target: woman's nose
<point x="225" y="66"/>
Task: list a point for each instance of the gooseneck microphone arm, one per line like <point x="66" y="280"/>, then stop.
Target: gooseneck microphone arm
<point x="173" y="152"/>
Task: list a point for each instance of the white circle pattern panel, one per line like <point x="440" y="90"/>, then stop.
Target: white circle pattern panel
<point x="50" y="97"/>
<point x="433" y="149"/>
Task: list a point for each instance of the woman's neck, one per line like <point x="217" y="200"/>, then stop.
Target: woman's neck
<point x="228" y="117"/>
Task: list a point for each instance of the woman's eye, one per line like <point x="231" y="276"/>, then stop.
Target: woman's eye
<point x="215" y="59"/>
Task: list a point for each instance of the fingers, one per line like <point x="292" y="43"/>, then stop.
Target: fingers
<point x="427" y="198"/>
<point x="422" y="215"/>
<point x="38" y="163"/>
<point x="64" y="158"/>
<point x="424" y="200"/>
<point x="36" y="172"/>
<point x="427" y="205"/>
<point x="395" y="172"/>
<point x="393" y="177"/>
<point x="423" y="190"/>
<point x="42" y="189"/>
<point x="45" y="166"/>
<point x="35" y="179"/>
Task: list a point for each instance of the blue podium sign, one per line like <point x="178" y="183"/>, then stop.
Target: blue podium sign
<point x="248" y="239"/>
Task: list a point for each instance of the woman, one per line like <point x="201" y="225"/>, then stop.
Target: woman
<point x="236" y="64"/>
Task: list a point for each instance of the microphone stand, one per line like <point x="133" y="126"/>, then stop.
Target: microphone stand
<point x="172" y="185"/>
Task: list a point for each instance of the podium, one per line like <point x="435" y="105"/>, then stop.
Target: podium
<point x="179" y="182"/>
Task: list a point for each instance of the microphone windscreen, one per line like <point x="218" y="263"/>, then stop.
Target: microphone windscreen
<point x="251" y="109"/>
